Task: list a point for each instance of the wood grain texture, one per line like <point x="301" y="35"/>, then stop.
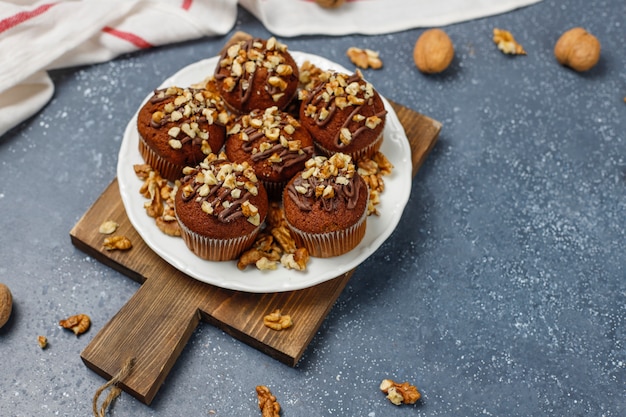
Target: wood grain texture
<point x="156" y="323"/>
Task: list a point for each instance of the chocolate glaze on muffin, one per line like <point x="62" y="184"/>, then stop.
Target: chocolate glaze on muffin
<point x="220" y="206"/>
<point x="179" y="127"/>
<point x="326" y="206"/>
<point x="344" y="113"/>
<point x="256" y="74"/>
<point x="273" y="142"/>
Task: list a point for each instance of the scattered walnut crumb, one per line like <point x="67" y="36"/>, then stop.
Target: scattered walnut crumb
<point x="268" y="404"/>
<point x="296" y="260"/>
<point x="161" y="199"/>
<point x="108" y="227"/>
<point x="277" y="320"/>
<point x="42" y="341"/>
<point x="403" y="393"/>
<point x="364" y="58"/>
<point x="372" y="171"/>
<point x="274" y="245"/>
<point x="507" y="43"/>
<point x="117" y="243"/>
<point x="79" y="323"/>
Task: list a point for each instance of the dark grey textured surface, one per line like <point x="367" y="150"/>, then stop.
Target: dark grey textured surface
<point x="502" y="291"/>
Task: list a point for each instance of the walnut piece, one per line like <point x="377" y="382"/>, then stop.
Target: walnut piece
<point x="507" y="43"/>
<point x="403" y="393"/>
<point x="433" y="51"/>
<point x="268" y="404"/>
<point x="161" y="195"/>
<point x="274" y="244"/>
<point x="168" y="226"/>
<point x="372" y="171"/>
<point x="577" y="49"/>
<point x="42" y="341"/>
<point x="277" y="321"/>
<point x="364" y="58"/>
<point x="79" y="323"/>
<point x="108" y="227"/>
<point x="297" y="260"/>
<point x="117" y="243"/>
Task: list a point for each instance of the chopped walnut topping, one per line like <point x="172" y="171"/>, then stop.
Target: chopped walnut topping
<point x="336" y="92"/>
<point x="239" y="180"/>
<point x="243" y="58"/>
<point x="193" y="105"/>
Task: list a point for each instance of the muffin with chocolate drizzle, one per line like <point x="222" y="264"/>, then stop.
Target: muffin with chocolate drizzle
<point x="326" y="206"/>
<point x="179" y="127"/>
<point x="256" y="74"/>
<point x="220" y="207"/>
<point x="273" y="142"/>
<point x="343" y="113"/>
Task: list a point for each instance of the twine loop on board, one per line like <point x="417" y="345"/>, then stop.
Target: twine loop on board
<point x="115" y="391"/>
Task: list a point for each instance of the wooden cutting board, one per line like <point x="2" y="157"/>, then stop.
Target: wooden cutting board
<point x="156" y="323"/>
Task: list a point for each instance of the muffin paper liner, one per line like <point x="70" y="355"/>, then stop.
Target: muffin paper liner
<point x="366" y="152"/>
<point x="213" y="249"/>
<point x="326" y="245"/>
<point x="167" y="169"/>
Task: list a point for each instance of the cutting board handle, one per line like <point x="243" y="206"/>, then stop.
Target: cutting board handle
<point x="153" y="328"/>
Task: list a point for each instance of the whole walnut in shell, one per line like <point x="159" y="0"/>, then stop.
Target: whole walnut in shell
<point x="577" y="49"/>
<point x="433" y="51"/>
<point x="329" y="4"/>
<point x="6" y="304"/>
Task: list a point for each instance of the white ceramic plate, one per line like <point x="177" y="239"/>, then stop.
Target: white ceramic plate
<point x="226" y="274"/>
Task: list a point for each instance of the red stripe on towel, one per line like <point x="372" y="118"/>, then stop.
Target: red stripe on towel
<point x="187" y="4"/>
<point x="129" y="37"/>
<point x="16" y="19"/>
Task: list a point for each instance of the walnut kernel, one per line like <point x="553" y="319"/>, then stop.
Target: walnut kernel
<point x="117" y="243"/>
<point x="364" y="58"/>
<point x="403" y="393"/>
<point x="268" y="404"/>
<point x="42" y="341"/>
<point x="277" y="321"/>
<point x="507" y="43"/>
<point x="108" y="227"/>
<point x="577" y="49"/>
<point x="79" y="323"/>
